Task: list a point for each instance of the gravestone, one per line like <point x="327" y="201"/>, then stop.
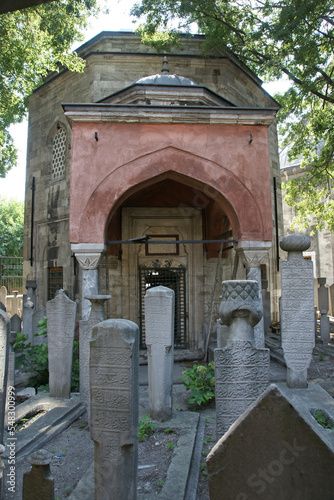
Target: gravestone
<point x="325" y="329"/>
<point x="241" y="370"/>
<point x="114" y="362"/>
<point x="37" y="316"/>
<point x="85" y="336"/>
<point x="38" y="482"/>
<point x="159" y="334"/>
<point x="4" y="353"/>
<point x="276" y="450"/>
<point x="28" y="309"/>
<point x="297" y="309"/>
<point x="15" y="324"/>
<point x="266" y="306"/>
<point x="3" y="295"/>
<point x="61" y="315"/>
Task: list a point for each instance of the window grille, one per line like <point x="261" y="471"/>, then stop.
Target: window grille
<point x="171" y="277"/>
<point x="58" y="154"/>
<point x="55" y="281"/>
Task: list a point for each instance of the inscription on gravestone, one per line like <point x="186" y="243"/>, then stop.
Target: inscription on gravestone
<point x="241" y="370"/>
<point x="114" y="361"/>
<point x="61" y="315"/>
<point x="297" y="309"/>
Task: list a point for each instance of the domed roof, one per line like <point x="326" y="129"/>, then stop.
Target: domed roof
<point x="164" y="78"/>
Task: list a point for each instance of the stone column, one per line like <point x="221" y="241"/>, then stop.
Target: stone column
<point x="159" y="329"/>
<point x="241" y="370"/>
<point x="297" y="309"/>
<point x="114" y="362"/>
<point x="85" y="332"/>
<point x="61" y="314"/>
<point x="28" y="309"/>
<point x="252" y="254"/>
<point x="325" y="328"/>
<point x="4" y="354"/>
<point x="38" y="482"/>
<point x="88" y="255"/>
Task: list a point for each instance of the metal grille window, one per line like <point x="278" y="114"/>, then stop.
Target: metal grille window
<point x="55" y="281"/>
<point x="58" y="154"/>
<point x="11" y="273"/>
<point x="171" y="277"/>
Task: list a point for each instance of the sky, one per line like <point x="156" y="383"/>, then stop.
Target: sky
<point x="119" y="19"/>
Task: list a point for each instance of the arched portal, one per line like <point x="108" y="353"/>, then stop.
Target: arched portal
<point x="172" y="209"/>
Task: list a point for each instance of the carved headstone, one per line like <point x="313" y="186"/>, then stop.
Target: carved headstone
<point x="85" y="336"/>
<point x="159" y="330"/>
<point x="325" y="329"/>
<point x="15" y="323"/>
<point x="4" y="353"/>
<point x="38" y="482"/>
<point x="114" y="362"/>
<point x="28" y="309"/>
<point x="37" y="316"/>
<point x="241" y="370"/>
<point x="297" y="309"/>
<point x="61" y="315"/>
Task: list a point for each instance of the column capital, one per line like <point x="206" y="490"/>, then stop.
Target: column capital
<point x="252" y="253"/>
<point x="88" y="254"/>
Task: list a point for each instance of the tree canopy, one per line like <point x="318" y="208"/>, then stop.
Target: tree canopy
<point x="275" y="38"/>
<point x="11" y="227"/>
<point x="33" y="42"/>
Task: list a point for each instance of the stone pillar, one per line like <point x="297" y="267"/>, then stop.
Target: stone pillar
<point x="88" y="255"/>
<point x="297" y="309"/>
<point x="159" y="330"/>
<point x="241" y="370"/>
<point x="325" y="328"/>
<point x="29" y="301"/>
<point x="4" y="354"/>
<point x="85" y="332"/>
<point x="61" y="314"/>
<point x="252" y="254"/>
<point x="114" y="362"/>
<point x="38" y="482"/>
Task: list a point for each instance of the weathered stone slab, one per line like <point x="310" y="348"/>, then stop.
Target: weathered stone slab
<point x="297" y="309"/>
<point x="61" y="315"/>
<point x="85" y="332"/>
<point x="275" y="450"/>
<point x="15" y="323"/>
<point x="159" y="329"/>
<point x="241" y="375"/>
<point x="114" y="362"/>
<point x="4" y="354"/>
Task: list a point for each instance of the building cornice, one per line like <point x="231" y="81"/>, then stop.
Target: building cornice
<point x="133" y="113"/>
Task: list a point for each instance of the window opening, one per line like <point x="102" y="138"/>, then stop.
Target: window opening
<point x="171" y="277"/>
<point x="55" y="281"/>
<point x="58" y="154"/>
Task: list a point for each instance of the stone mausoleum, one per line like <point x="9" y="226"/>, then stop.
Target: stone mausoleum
<point x="147" y="170"/>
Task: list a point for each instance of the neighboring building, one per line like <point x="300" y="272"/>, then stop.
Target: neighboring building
<point x="115" y="154"/>
<point x="321" y="251"/>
